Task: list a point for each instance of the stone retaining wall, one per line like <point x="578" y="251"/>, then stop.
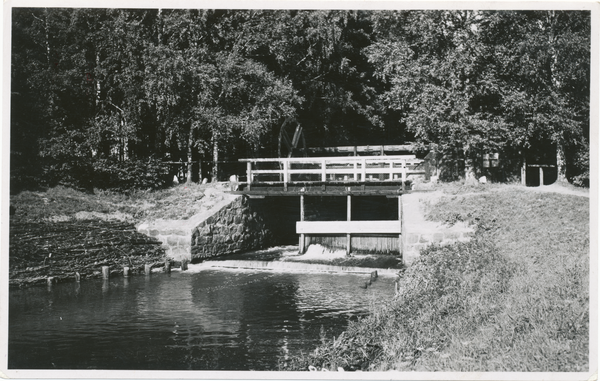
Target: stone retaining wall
<point x="176" y="242"/>
<point x="236" y="228"/>
<point x="417" y="232"/>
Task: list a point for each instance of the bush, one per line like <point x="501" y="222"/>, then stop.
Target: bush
<point x="123" y="176"/>
<point x="77" y="174"/>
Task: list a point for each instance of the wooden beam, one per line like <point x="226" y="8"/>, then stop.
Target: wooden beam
<point x="348" y="227"/>
<point x="365" y="149"/>
<point x="302" y="240"/>
<point x="401" y="235"/>
<point x="349" y="208"/>
<point x="349" y="218"/>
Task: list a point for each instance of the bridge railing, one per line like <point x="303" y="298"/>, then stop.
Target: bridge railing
<point x="332" y="169"/>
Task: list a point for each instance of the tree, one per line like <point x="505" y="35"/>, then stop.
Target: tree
<point x="543" y="60"/>
<point x="472" y="82"/>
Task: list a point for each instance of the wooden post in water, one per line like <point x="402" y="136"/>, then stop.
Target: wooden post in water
<point x="541" y="176"/>
<point x="147" y="269"/>
<point x="77" y="277"/>
<point x="125" y="271"/>
<point x="373" y="275"/>
<point x="184" y="264"/>
<point x="167" y="265"/>
<point x="50" y="280"/>
<point x="105" y="272"/>
<point x="302" y="242"/>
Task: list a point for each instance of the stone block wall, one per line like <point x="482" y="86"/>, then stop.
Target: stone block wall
<point x="237" y="227"/>
<point x="416" y="239"/>
<point x="176" y="242"/>
<point x="417" y="232"/>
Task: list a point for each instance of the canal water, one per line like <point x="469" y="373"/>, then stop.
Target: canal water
<point x="201" y="319"/>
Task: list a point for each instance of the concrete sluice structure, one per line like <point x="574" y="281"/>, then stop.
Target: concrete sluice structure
<point x="362" y="205"/>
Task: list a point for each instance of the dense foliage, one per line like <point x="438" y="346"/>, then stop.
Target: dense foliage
<point x="91" y="85"/>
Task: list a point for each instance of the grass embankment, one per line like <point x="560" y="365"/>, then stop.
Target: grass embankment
<point x="515" y="298"/>
<point x="66" y="204"/>
<point x="62" y="231"/>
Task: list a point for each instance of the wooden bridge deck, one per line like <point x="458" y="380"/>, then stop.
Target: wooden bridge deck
<point x="356" y="175"/>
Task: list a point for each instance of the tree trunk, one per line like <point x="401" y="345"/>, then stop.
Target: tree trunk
<point x="189" y="156"/>
<point x="215" y="170"/>
<point x="47" y="35"/>
<point x="560" y="163"/>
<point x="98" y="88"/>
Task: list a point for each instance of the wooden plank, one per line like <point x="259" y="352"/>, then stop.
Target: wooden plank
<point x="348" y="227"/>
<point x="365" y="149"/>
<point x="334" y="171"/>
<point x="340" y="159"/>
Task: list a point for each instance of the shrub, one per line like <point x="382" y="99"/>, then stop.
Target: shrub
<point x="127" y="175"/>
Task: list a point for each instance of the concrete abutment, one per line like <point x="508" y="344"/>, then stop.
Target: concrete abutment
<point x="237" y="224"/>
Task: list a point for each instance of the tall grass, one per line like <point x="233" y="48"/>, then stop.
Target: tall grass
<point x="514" y="298"/>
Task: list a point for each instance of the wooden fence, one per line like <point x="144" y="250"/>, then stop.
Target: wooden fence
<point x="332" y="169"/>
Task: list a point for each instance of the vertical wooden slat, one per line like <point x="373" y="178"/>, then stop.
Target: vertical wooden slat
<point x="286" y="173"/>
<point x="403" y="175"/>
<point x="541" y="176"/>
<point x="349" y="218"/>
<point x="323" y="171"/>
<point x="363" y="169"/>
<point x="302" y="240"/>
<point x="349" y="208"/>
<point x="348" y="244"/>
<point x="401" y="235"/>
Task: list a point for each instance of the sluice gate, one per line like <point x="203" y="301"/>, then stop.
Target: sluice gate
<point x="370" y="187"/>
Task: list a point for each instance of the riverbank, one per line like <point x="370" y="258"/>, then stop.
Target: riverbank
<point x="514" y="298"/>
<point x="59" y="232"/>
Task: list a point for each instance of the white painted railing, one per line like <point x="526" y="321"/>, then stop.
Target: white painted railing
<point x="324" y="169"/>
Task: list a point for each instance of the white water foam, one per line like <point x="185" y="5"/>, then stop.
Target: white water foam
<point x="285" y="266"/>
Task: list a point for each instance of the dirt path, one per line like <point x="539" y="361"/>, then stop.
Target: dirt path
<point x="557" y="188"/>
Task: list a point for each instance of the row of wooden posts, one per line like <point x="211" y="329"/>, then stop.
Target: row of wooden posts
<point x="127" y="271"/>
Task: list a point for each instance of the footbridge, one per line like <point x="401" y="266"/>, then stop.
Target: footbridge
<point x="332" y="178"/>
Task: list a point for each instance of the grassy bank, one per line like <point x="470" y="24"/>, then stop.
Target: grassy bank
<point x="66" y="204"/>
<point x="515" y="298"/>
<point x="61" y="231"/>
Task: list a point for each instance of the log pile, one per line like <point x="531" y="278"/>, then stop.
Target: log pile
<point x="39" y="250"/>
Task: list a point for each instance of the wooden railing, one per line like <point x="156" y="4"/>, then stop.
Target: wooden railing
<point x="331" y="169"/>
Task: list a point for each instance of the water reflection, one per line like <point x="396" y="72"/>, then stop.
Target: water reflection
<point x="207" y="320"/>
